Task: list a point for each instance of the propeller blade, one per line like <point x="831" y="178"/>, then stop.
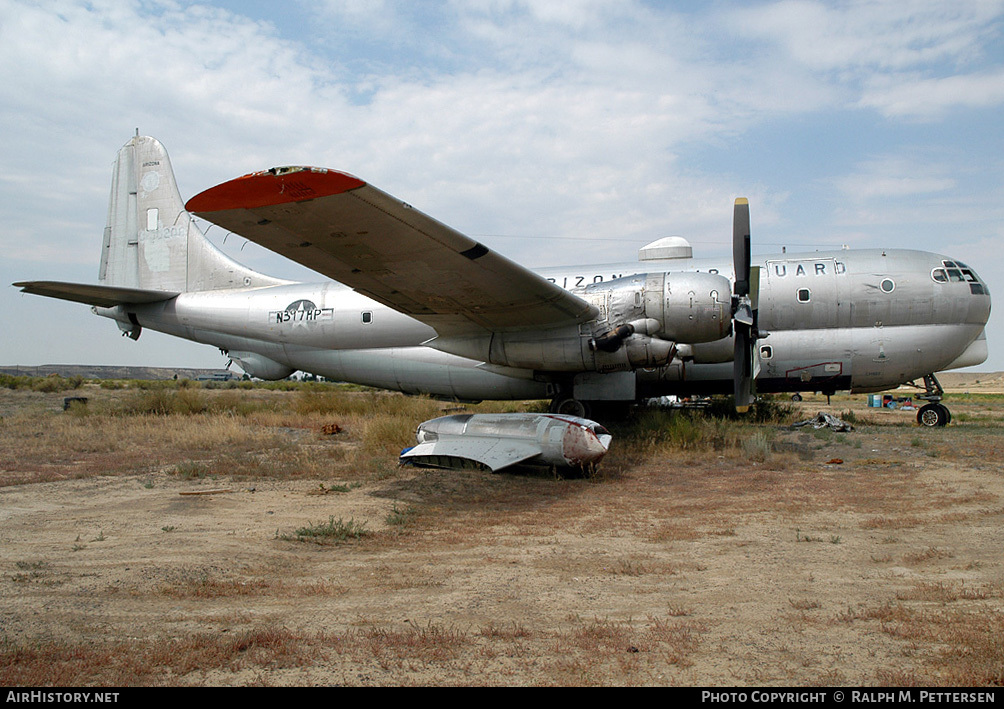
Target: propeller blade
<point x="741" y="245"/>
<point x="742" y="364"/>
<point x="745" y="302"/>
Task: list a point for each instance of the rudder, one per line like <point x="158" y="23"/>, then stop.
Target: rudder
<point x="151" y="242"/>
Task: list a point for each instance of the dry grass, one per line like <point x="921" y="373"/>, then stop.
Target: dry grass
<point x="207" y="587"/>
<point x="149" y="662"/>
<point x="640" y="575"/>
<point x="584" y="654"/>
<point x="968" y="647"/>
<point x="262" y="433"/>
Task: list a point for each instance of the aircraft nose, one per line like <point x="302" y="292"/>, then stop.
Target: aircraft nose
<point x="955" y="276"/>
<point x="581" y="446"/>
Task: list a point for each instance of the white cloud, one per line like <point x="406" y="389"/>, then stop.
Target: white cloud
<point x="864" y="33"/>
<point x="894" y="176"/>
<point x="930" y="98"/>
<point x="593" y="121"/>
<point x="559" y="154"/>
<point x="912" y="59"/>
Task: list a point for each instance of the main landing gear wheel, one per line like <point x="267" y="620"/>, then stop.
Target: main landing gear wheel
<point x="932" y="415"/>
<point x="569" y="407"/>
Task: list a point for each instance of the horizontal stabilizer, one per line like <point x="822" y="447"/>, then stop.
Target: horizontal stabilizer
<point x="101" y="296"/>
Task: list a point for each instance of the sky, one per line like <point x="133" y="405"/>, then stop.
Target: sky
<point x="569" y="132"/>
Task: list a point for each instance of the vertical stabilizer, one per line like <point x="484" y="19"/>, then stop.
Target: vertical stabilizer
<point x="151" y="242"/>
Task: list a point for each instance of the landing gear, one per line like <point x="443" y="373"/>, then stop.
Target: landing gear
<point x="796" y="396"/>
<point x="569" y="406"/>
<point x="932" y="415"/>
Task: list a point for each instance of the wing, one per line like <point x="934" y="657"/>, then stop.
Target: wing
<point x="350" y="231"/>
<point x="102" y="296"/>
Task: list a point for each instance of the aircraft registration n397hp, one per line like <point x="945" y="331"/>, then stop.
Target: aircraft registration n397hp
<point x="406" y="303"/>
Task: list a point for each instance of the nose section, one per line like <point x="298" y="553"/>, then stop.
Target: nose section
<point x="975" y="354"/>
<point x="969" y="295"/>
<point x="581" y="445"/>
<point x="957" y="277"/>
<point x="979" y="303"/>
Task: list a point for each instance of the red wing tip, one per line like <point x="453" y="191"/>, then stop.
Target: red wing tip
<point x="279" y="185"/>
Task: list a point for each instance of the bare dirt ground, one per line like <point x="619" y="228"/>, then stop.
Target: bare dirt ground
<point x="866" y="558"/>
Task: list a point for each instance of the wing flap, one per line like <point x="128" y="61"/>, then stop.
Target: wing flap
<point x="356" y="234"/>
<point x="101" y="296"/>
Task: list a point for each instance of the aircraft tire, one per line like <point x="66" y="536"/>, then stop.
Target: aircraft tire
<point x="569" y="407"/>
<point x="933" y="415"/>
<point x="796" y="397"/>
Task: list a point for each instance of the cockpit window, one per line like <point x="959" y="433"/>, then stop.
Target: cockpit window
<point x="958" y="272"/>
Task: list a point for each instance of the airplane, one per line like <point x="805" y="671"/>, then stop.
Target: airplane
<point x="408" y="304"/>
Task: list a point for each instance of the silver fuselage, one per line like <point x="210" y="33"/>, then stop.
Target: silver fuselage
<point x="863" y="320"/>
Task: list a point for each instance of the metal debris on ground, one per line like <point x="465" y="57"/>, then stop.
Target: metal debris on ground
<point x="497" y="441"/>
<point x="825" y="420"/>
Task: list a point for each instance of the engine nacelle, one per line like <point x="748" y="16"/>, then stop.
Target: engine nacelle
<point x="688" y="306"/>
<point x="708" y="352"/>
<point x="641" y="320"/>
<point x="570" y="349"/>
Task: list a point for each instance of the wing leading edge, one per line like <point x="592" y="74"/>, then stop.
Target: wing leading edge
<point x="351" y="232"/>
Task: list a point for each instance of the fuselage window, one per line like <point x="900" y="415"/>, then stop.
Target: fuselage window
<point x="367" y="317"/>
<point x="804" y="295"/>
<point x="766" y="352"/>
<point x="887" y="285"/>
<point x="940" y="275"/>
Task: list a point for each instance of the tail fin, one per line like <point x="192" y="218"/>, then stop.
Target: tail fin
<point x="151" y="242"/>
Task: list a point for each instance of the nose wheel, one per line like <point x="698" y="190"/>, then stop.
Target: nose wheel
<point x="933" y="415"/>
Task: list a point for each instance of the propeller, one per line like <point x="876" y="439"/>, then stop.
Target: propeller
<point x="745" y="297"/>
